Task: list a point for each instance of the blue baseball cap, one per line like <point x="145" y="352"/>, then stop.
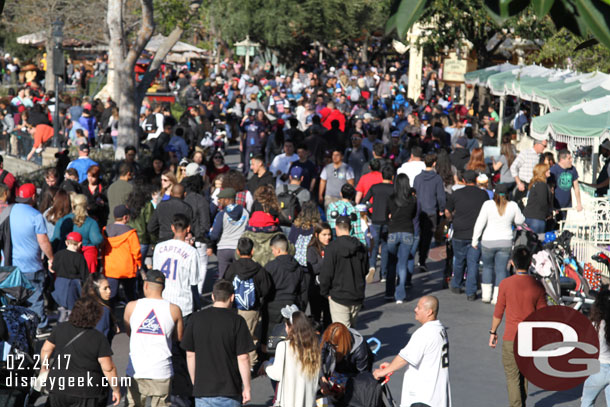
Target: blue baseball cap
<point x="296" y="172"/>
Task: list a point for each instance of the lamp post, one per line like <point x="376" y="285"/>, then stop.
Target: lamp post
<point x="58" y="70"/>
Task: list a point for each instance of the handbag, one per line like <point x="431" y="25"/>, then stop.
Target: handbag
<point x="41" y="380"/>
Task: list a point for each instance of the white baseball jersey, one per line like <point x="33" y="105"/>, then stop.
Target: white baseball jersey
<point x="179" y="262"/>
<point x="427" y="377"/>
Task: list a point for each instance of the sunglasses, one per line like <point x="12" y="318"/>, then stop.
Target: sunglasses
<point x="218" y="157"/>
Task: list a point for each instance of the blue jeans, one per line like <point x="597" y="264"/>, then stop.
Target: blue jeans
<point x="36" y="300"/>
<point x="380" y="232"/>
<point x="399" y="248"/>
<point x="494" y="262"/>
<point x="537" y="225"/>
<point x="216" y="402"/>
<point x="465" y="258"/>
<point x="594" y="385"/>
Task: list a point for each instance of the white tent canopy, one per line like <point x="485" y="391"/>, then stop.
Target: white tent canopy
<point x="180" y="47"/>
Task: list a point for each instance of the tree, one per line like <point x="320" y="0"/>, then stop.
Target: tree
<point x="559" y="51"/>
<point x="581" y="17"/>
<point x="80" y="18"/>
<point x="449" y="24"/>
<point x="289" y="26"/>
<point x="124" y="54"/>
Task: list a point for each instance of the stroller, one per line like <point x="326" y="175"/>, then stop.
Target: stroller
<point x="561" y="275"/>
<point x="17" y="338"/>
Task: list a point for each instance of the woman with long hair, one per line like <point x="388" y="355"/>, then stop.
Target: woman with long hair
<point x="322" y="235"/>
<point x="168" y="180"/>
<point x="142" y="202"/>
<point x="79" y="221"/>
<point x="495" y="225"/>
<point x="539" y="206"/>
<point x="477" y="162"/>
<point x="97" y="201"/>
<point x="446" y="170"/>
<point x="60" y="207"/>
<point x="600" y="316"/>
<point x="401" y="236"/>
<point x="217" y="165"/>
<point x="98" y="288"/>
<point x="297" y="362"/>
<point x="89" y="354"/>
<point x="507" y="156"/>
<point x="346" y="350"/>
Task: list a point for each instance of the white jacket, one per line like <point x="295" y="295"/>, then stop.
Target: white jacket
<point x="496" y="227"/>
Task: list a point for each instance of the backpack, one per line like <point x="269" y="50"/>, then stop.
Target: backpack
<point x="300" y="248"/>
<point x="150" y="124"/>
<point x="245" y="293"/>
<point x="3" y="176"/>
<point x="289" y="205"/>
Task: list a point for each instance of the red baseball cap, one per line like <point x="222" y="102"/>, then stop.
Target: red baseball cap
<point x="75" y="237"/>
<point x="25" y="193"/>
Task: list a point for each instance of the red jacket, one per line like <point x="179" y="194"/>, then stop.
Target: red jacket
<point x="329" y="115"/>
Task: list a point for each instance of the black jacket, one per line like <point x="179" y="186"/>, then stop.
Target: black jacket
<point x="314" y="261"/>
<point x="160" y="223"/>
<point x="287" y="276"/>
<point x="459" y="158"/>
<point x="255" y="181"/>
<point x="201" y="216"/>
<point x="359" y="359"/>
<point x="539" y="202"/>
<point x="246" y="269"/>
<point x="344" y="270"/>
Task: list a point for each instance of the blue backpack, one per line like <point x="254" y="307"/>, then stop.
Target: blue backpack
<point x="245" y="293"/>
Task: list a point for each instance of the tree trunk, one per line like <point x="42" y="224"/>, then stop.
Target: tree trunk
<point x="129" y="95"/>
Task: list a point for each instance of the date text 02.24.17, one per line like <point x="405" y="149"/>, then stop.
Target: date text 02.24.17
<point x="22" y="362"/>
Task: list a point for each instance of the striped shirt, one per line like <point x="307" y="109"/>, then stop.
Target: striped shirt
<point x="179" y="262"/>
<point x="523" y="166"/>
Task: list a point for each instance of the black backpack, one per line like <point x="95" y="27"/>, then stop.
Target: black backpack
<point x="150" y="124"/>
<point x="289" y="205"/>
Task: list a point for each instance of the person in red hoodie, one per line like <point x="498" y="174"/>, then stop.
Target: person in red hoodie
<point x="121" y="254"/>
<point x="330" y="113"/>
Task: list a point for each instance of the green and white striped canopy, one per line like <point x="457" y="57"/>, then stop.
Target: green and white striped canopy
<point x="582" y="125"/>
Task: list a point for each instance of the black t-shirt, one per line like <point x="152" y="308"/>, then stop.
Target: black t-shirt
<point x="465" y="203"/>
<point x="69" y="264"/>
<point x="82" y="362"/>
<point x="381" y="196"/>
<point x="217" y="336"/>
<point x="402" y="216"/>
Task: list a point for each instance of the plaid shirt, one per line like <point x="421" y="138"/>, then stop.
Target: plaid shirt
<point x="523" y="166"/>
<point x="349" y="208"/>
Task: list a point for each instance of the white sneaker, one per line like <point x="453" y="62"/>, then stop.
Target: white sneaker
<point x="398" y="302"/>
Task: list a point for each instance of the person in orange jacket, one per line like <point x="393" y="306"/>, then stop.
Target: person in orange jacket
<point x="121" y="254"/>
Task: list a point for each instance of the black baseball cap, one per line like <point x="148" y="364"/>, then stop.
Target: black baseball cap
<point x="155" y="276"/>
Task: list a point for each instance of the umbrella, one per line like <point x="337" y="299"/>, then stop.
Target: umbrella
<point x="581" y="125"/>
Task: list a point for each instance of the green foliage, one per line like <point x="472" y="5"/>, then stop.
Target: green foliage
<point x="8" y="42"/>
<point x="558" y="51"/>
<point x="171" y="13"/>
<point x="289" y="26"/>
<point x="581" y="17"/>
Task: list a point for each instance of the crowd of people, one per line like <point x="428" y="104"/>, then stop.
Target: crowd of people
<point x="343" y="181"/>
